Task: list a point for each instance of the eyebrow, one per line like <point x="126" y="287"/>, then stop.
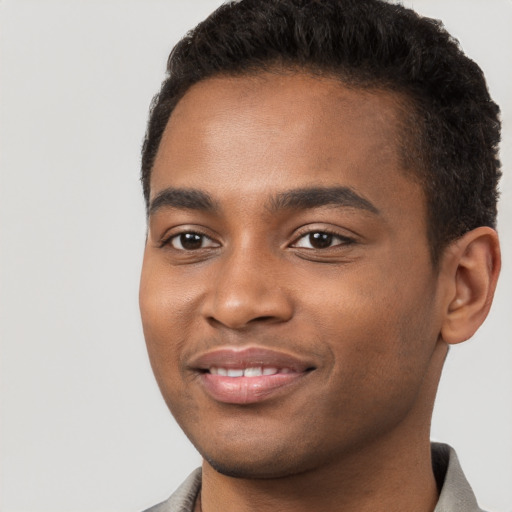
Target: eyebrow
<point x="185" y="198"/>
<point x="298" y="199"/>
<point x="306" y="198"/>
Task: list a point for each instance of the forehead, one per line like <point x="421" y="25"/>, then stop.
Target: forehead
<point x="271" y="132"/>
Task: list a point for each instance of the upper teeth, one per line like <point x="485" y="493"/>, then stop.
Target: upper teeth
<point x="256" y="371"/>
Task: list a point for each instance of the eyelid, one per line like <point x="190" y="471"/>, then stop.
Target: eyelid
<point x="302" y="232"/>
<point x="206" y="242"/>
<point x="309" y="230"/>
<point x="170" y="234"/>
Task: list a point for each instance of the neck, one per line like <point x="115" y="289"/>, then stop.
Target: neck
<point x="366" y="483"/>
<point x="393" y="472"/>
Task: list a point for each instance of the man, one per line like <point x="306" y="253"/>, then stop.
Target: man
<point x="320" y="180"/>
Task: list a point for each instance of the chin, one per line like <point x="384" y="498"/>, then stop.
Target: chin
<point x="262" y="459"/>
<point x="249" y="470"/>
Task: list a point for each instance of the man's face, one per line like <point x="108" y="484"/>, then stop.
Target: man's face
<point x="288" y="299"/>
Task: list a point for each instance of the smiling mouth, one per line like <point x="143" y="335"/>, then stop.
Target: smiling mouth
<point x="249" y="375"/>
<point x="255" y="371"/>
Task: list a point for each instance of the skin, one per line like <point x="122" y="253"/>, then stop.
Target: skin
<point x="369" y="310"/>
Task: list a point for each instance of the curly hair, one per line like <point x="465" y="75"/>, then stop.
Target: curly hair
<point x="453" y="128"/>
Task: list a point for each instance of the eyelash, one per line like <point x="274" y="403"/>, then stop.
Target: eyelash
<point x="343" y="240"/>
<point x="176" y="236"/>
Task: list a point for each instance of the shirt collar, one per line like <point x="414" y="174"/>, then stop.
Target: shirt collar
<point x="455" y="492"/>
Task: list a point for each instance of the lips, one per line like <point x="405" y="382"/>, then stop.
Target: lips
<point x="248" y="375"/>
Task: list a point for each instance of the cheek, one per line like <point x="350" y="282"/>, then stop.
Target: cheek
<point x="378" y="320"/>
<point x="167" y="297"/>
<point x="167" y="317"/>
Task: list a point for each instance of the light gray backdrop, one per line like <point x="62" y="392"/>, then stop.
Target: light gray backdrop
<point x="83" y="427"/>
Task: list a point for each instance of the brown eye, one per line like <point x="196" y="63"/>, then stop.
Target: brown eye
<point x="191" y="241"/>
<point x="321" y="240"/>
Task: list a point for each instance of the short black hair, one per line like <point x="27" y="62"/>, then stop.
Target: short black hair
<point x="454" y="128"/>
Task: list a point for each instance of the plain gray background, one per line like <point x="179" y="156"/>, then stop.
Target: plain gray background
<point x="83" y="426"/>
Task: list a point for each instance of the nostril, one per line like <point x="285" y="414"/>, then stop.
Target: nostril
<point x="259" y="319"/>
<point x="266" y="318"/>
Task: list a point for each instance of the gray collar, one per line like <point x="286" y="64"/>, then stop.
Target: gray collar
<point x="456" y="494"/>
<point x="184" y="498"/>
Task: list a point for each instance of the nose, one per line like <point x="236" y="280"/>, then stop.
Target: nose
<point x="248" y="289"/>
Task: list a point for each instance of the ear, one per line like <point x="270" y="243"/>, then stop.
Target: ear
<point x="471" y="266"/>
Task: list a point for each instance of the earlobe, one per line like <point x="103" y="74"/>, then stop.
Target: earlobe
<point x="473" y="267"/>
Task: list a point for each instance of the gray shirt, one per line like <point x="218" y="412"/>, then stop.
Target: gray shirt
<point x="455" y="496"/>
